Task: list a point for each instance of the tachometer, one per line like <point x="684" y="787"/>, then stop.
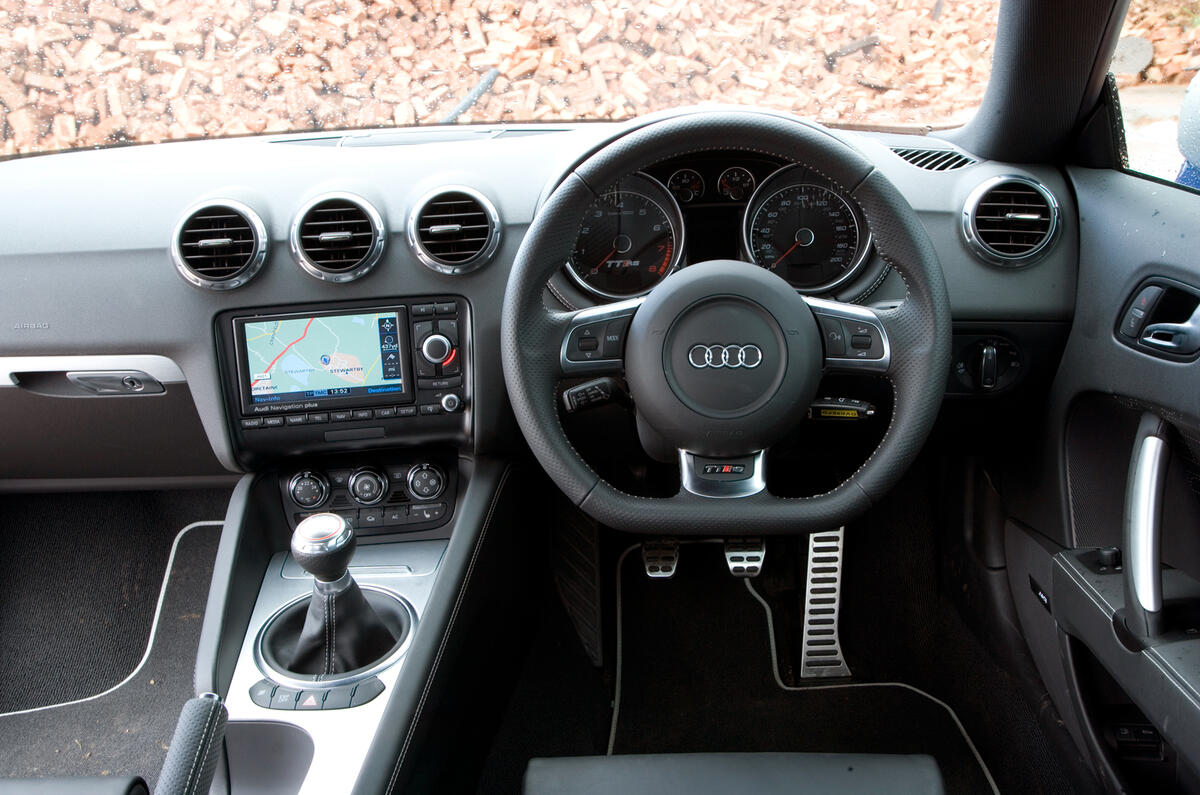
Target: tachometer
<point x="629" y="241"/>
<point x="806" y="232"/>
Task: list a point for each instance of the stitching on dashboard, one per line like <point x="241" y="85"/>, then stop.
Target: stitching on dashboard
<point x="462" y="591"/>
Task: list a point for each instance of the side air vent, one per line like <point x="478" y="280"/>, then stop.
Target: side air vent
<point x="454" y="230"/>
<point x="219" y="245"/>
<point x="338" y="237"/>
<point x="1010" y="221"/>
<point x="935" y="159"/>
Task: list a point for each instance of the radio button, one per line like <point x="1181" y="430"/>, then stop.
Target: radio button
<point x="430" y="409"/>
<point x="395" y="516"/>
<point x="451" y="403"/>
<point x="319" y="418"/>
<point x="296" y="419"/>
<point x="273" y="422"/>
<point x="253" y="422"/>
<point x="440" y="383"/>
<point x="420" y="310"/>
<point x="385" y="413"/>
<point x="340" y="416"/>
<point x="450" y="329"/>
<point x="370" y="517"/>
<point x="406" y="411"/>
<point x="361" y="414"/>
<point x="446" y="309"/>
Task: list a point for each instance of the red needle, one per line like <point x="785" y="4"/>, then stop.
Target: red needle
<point x="789" y="251"/>
<point x="605" y="259"/>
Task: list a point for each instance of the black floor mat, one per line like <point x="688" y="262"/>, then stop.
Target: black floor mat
<point x="85" y="572"/>
<point x="127" y="731"/>
<point x="697" y="678"/>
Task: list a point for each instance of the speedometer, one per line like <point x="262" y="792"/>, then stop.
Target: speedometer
<point x="629" y="241"/>
<point x="806" y="232"/>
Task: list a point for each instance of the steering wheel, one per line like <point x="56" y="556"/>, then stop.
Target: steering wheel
<point x="722" y="358"/>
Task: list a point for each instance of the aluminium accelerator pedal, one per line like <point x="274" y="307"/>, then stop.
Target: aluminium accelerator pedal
<point x="822" y="651"/>
<point x="745" y="556"/>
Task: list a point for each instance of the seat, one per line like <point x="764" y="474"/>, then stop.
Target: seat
<point x="761" y="774"/>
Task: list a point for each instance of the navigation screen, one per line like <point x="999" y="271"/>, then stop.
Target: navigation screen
<point x="324" y="356"/>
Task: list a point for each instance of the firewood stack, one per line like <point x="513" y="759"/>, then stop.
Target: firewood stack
<point x="75" y="73"/>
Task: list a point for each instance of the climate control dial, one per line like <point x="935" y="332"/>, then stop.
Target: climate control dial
<point x="367" y="486"/>
<point x="426" y="482"/>
<point x="308" y="489"/>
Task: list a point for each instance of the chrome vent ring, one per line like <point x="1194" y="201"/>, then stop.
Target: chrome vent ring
<point x="1010" y="221"/>
<point x="337" y="237"/>
<point x="219" y="244"/>
<point x="454" y="230"/>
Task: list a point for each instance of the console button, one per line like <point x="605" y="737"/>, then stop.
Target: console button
<point x="340" y="416"/>
<point x="431" y="408"/>
<point x="449" y="328"/>
<point x="253" y="422"/>
<point x="451" y="403"/>
<point x="589" y="344"/>
<point x="453" y="363"/>
<point x="361" y="414"/>
<point x="319" y="418"/>
<point x="310" y="699"/>
<point x="584" y="344"/>
<point x="395" y="516"/>
<point x="339" y="477"/>
<point x="440" y="383"/>
<point x="366" y="691"/>
<point x="424" y="368"/>
<point x="370" y="517"/>
<point x="421" y="310"/>
<point x="273" y="422"/>
<point x="350" y="516"/>
<point x="861" y="342"/>
<point x="437" y="348"/>
<point x="446" y="309"/>
<point x="339" y="697"/>
<point x="406" y="411"/>
<point x="418" y="514"/>
<point x="385" y="413"/>
<point x="284" y="698"/>
<point x="421" y="331"/>
<point x="261" y="692"/>
<point x="296" y="419"/>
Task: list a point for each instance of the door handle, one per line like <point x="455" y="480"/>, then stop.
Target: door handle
<point x="1179" y="338"/>
<point x="1143" y="528"/>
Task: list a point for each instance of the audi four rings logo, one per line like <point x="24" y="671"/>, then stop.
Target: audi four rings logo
<point x="748" y="356"/>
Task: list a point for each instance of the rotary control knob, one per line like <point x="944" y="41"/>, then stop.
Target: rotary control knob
<point x="367" y="486"/>
<point x="426" y="482"/>
<point x="451" y="403"/>
<point x="436" y="348"/>
<point x="308" y="489"/>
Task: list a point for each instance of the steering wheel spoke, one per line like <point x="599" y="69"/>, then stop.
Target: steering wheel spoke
<point x="723" y="478"/>
<point x="593" y="339"/>
<point x="855" y="337"/>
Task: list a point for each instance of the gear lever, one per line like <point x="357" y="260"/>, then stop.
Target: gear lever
<point x="341" y="631"/>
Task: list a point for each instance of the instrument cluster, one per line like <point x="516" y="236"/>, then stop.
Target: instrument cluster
<point x="780" y="216"/>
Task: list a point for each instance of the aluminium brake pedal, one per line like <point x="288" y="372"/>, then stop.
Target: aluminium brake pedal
<point x="822" y="651"/>
<point x="745" y="556"/>
<point x="660" y="557"/>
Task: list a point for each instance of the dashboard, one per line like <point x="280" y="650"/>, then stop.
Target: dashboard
<point x="343" y="231"/>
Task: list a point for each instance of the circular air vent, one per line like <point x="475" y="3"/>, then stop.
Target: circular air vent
<point x="337" y="237"/>
<point x="454" y="230"/>
<point x="219" y="245"/>
<point x="1010" y="221"/>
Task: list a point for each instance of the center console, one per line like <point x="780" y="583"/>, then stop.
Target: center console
<point x="358" y="415"/>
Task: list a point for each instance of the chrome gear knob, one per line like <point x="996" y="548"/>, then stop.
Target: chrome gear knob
<point x="323" y="545"/>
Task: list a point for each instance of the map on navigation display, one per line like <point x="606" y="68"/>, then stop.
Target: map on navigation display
<point x="324" y="356"/>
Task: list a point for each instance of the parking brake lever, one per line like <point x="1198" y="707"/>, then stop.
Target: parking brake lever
<point x="1143" y="529"/>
